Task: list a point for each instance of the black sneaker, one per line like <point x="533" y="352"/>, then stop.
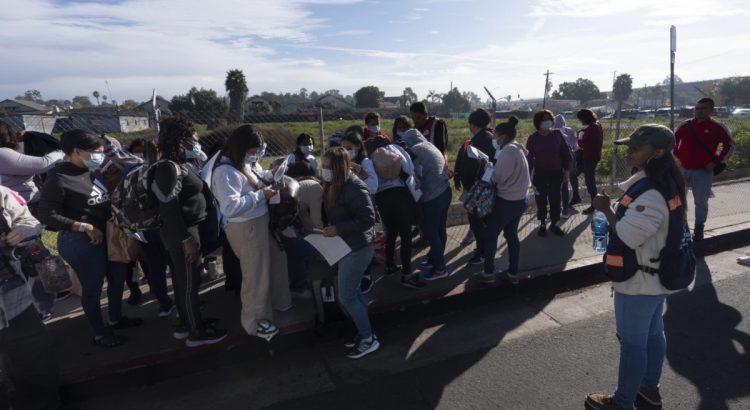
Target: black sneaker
<point x="46" y="316"/>
<point x="366" y="284"/>
<point x="542" y="231"/>
<point x="209" y="336"/>
<point x="513" y="278"/>
<point x="364" y="347"/>
<point x="412" y="282"/>
<point x="181" y="332"/>
<point x="698" y="233"/>
<point x="477" y="259"/>
<point x="651" y="396"/>
<point x="425" y="264"/>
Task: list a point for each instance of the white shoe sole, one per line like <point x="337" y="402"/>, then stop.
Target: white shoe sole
<point x="180" y="335"/>
<point x="374" y="347"/>
<point x="196" y="343"/>
<point x="169" y="312"/>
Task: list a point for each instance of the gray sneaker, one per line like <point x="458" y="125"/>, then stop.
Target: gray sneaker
<point x="364" y="347"/>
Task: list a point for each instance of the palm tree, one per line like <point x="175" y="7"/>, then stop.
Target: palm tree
<point x="96" y="95"/>
<point x="236" y="86"/>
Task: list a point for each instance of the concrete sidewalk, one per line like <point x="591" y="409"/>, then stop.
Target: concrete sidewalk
<point x="153" y="343"/>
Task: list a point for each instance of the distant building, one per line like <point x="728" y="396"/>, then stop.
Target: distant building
<point x="333" y="102"/>
<point x="390" y="103"/>
<point x="105" y="119"/>
<point x="162" y="105"/>
<point x="13" y="107"/>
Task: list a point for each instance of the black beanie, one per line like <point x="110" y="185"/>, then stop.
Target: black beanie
<point x="80" y="139"/>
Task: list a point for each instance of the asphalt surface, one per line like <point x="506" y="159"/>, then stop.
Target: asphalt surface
<point x="544" y="344"/>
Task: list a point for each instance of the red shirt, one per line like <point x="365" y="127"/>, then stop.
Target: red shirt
<point x="368" y="134"/>
<point x="712" y="133"/>
<point x="591" y="140"/>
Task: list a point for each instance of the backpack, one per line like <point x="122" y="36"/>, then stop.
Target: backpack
<point x="676" y="260"/>
<point x="284" y="214"/>
<point x="134" y="206"/>
<point x="387" y="162"/>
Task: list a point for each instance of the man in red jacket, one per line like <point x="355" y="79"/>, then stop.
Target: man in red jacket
<point x="702" y="145"/>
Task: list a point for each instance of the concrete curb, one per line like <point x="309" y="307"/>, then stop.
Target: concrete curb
<point x="166" y="363"/>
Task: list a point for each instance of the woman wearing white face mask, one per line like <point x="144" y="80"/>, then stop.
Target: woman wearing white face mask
<point x="549" y="162"/>
<point x="400" y="126"/>
<point x="361" y="165"/>
<point x="243" y="200"/>
<point x="303" y="153"/>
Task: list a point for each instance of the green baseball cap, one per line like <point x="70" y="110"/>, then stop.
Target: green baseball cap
<point x="650" y="134"/>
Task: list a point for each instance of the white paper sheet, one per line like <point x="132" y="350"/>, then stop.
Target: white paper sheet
<point x="487" y="176"/>
<point x="411" y="183"/>
<point x="477" y="154"/>
<point x="332" y="248"/>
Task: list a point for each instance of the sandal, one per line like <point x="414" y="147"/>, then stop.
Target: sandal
<point x="109" y="340"/>
<point x="126" y="323"/>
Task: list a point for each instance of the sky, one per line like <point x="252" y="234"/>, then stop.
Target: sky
<point x="65" y="48"/>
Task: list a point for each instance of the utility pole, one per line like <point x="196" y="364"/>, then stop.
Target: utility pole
<point x="546" y="88"/>
<point x="672" y="51"/>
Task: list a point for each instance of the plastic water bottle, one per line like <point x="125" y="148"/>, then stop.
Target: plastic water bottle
<point x="599" y="225"/>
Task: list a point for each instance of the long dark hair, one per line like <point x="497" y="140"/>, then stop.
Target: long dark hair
<point x="666" y="174"/>
<point x="355" y="138"/>
<point x="7" y="137"/>
<point x="340" y="167"/>
<point x="242" y="139"/>
<point x="173" y="133"/>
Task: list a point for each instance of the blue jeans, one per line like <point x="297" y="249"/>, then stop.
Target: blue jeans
<point x="589" y="176"/>
<point x="91" y="265"/>
<point x="505" y="217"/>
<point x="298" y="254"/>
<point x="640" y="328"/>
<point x="433" y="225"/>
<point x="350" y="270"/>
<point x="700" y="181"/>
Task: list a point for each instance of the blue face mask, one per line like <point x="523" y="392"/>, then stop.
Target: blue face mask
<point x="251" y="159"/>
<point x="95" y="160"/>
<point x="194" y="153"/>
<point x="374" y="128"/>
<point x="326" y="174"/>
<point x="306" y="149"/>
<point x="495" y="144"/>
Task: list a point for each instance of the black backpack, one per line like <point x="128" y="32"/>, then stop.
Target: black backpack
<point x="676" y="260"/>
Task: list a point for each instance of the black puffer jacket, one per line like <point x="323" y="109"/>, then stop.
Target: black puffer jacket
<point x="353" y="214"/>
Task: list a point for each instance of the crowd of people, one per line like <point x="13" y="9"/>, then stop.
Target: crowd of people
<point x="218" y="200"/>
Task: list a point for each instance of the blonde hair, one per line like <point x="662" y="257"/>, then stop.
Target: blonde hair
<point x="338" y="160"/>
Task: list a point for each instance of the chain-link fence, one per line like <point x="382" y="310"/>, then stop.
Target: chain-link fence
<point x="280" y="132"/>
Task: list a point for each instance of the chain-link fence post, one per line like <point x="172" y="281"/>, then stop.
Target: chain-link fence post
<point x="614" y="147"/>
<point x="321" y="131"/>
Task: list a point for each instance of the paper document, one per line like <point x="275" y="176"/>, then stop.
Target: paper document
<point x="332" y="248"/>
<point x="477" y="154"/>
<point x="487" y="176"/>
<point x="411" y="183"/>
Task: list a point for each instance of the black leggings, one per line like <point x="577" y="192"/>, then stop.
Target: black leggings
<point x="397" y="210"/>
<point x="186" y="281"/>
<point x="547" y="184"/>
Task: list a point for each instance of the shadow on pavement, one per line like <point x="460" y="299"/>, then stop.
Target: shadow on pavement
<point x="703" y="344"/>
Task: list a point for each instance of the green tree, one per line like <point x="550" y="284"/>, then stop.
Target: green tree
<point x="454" y="101"/>
<point x="236" y="86"/>
<point x="368" y="97"/>
<point x="735" y="91"/>
<point x="434" y="97"/>
<point x="202" y="106"/>
<point x="96" y="95"/>
<point x="129" y="105"/>
<point x="472" y="97"/>
<point x="408" y="97"/>
<point x="81" y="101"/>
<point x="31" y="95"/>
<point x="582" y="90"/>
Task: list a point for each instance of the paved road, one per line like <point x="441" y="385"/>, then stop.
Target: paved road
<point x="534" y="346"/>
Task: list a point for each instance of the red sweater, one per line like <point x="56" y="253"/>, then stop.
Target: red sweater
<point x="712" y="133"/>
<point x="368" y="134"/>
<point x="591" y="141"/>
